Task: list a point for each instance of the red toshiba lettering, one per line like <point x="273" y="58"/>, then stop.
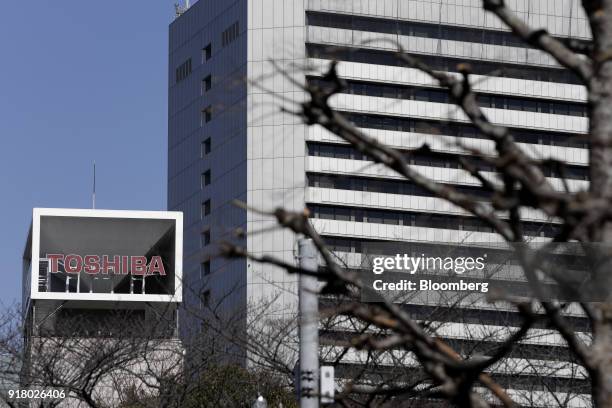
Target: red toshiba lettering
<point x="92" y="264"/>
<point x="54" y="262"/>
<point x="73" y="263"/>
<point x="138" y="265"/>
<point x="108" y="265"/>
<point x="124" y="265"/>
<point x="156" y="266"/>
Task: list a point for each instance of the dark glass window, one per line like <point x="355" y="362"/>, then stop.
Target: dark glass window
<point x="206" y="208"/>
<point x="532" y="106"/>
<point x="206" y="53"/>
<point x="206" y="115"/>
<point x="206" y="298"/>
<point x="343" y="214"/>
<point x="183" y="70"/>
<point x="205" y="148"/>
<point x="205" y="238"/>
<point x="230" y="34"/>
<point x="205" y="178"/>
<point x="205" y="268"/>
<point x="206" y="83"/>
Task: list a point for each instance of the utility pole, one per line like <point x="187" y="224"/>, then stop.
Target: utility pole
<point x="309" y="326"/>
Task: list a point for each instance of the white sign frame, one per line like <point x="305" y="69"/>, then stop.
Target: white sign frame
<point x="176" y="216"/>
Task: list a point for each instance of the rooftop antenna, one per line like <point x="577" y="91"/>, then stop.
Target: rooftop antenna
<point x="93" y="195"/>
<point x="179" y="10"/>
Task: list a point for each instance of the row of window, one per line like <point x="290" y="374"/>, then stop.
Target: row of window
<point x="414" y="29"/>
<point x="403" y="124"/>
<point x="373" y="185"/>
<point x="183" y="70"/>
<point x="470" y="347"/>
<point x="229" y="34"/>
<point x="527" y="105"/>
<point x="434" y="159"/>
<point x="206" y="113"/>
<point x="523" y="382"/>
<point x="467" y="347"/>
<point x="443" y="63"/>
<point x="441" y="313"/>
<point x="451" y="313"/>
<point x="441" y="96"/>
<point x="205" y="178"/>
<point x="553" y="382"/>
<point x="527" y="382"/>
<point x="426" y="220"/>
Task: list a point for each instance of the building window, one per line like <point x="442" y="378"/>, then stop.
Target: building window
<point x="205" y="148"/>
<point x="183" y="70"/>
<point x="205" y="178"/>
<point x="424" y="220"/>
<point x="463" y="130"/>
<point x="229" y="34"/>
<point x="206" y="208"/>
<point x="206" y="115"/>
<point x="205" y="238"/>
<point x="206" y="53"/>
<point x="206" y="84"/>
<point x="206" y="298"/>
<point x="205" y="268"/>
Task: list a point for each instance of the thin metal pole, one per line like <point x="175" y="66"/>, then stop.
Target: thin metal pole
<point x="93" y="195"/>
<point x="309" y="326"/>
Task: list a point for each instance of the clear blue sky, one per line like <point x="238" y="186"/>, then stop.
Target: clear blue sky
<point x="79" y="81"/>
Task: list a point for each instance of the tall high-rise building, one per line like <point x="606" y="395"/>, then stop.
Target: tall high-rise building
<point x="229" y="140"/>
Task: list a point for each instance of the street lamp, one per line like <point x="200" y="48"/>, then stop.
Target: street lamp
<point x="260" y="402"/>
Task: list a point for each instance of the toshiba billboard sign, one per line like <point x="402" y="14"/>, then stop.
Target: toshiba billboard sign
<point x="106" y="255"/>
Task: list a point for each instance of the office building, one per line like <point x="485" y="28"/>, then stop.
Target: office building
<point x="229" y="140"/>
